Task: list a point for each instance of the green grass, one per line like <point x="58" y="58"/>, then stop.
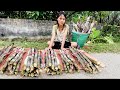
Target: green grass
<point x="42" y="44"/>
<point x="26" y="44"/>
<point x="103" y="47"/>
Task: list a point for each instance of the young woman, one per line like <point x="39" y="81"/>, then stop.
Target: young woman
<point x="60" y="32"/>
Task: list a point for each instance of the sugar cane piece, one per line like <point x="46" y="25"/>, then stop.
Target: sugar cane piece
<point x="31" y="56"/>
<point x="49" y="58"/>
<point x="5" y="53"/>
<point x="87" y="63"/>
<point x="46" y="60"/>
<point x="75" y="61"/>
<point x="71" y="62"/>
<point x="51" y="66"/>
<point x="65" y="56"/>
<point x="51" y="69"/>
<point x="39" y="62"/>
<point x="13" y="59"/>
<point x="55" y="61"/>
<point x="28" y="64"/>
<point x="63" y="63"/>
<point x="21" y="68"/>
<point x="79" y="59"/>
<point x="42" y="64"/>
<point x="43" y="56"/>
<point x="17" y="67"/>
<point x="97" y="68"/>
<point x="18" y="59"/>
<point x="35" y="59"/>
<point x="32" y="63"/>
<point x="65" y="67"/>
<point x="37" y="71"/>
<point x="48" y="67"/>
<point x="93" y="59"/>
<point x="4" y="70"/>
<point x="55" y="64"/>
<point x="18" y="62"/>
<point x="19" y="55"/>
<point x="32" y="74"/>
<point x="93" y="67"/>
<point x="2" y="56"/>
<point x="52" y="59"/>
<point x="68" y="61"/>
<point x="59" y="63"/>
<point x="4" y="63"/>
<point x="3" y="50"/>
<point x="90" y="66"/>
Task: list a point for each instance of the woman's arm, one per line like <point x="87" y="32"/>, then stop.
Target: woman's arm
<point x="52" y="38"/>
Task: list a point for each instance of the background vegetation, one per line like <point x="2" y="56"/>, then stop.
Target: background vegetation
<point x="108" y="38"/>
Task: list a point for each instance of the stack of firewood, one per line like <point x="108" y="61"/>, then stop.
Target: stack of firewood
<point x="32" y="62"/>
<point x="88" y="64"/>
<point x="52" y="62"/>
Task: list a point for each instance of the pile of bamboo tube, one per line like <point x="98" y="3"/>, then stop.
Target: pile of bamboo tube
<point x="31" y="62"/>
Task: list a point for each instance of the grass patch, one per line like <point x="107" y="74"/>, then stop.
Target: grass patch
<point x="103" y="47"/>
<point x="26" y="44"/>
<point x="42" y="44"/>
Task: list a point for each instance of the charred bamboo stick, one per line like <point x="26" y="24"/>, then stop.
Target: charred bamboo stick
<point x="93" y="59"/>
<point x="4" y="63"/>
<point x="6" y="52"/>
<point x="59" y="64"/>
<point x="78" y="58"/>
<point x="65" y="56"/>
<point x="35" y="58"/>
<point x="40" y="65"/>
<point x="19" y="57"/>
<point x="42" y="54"/>
<point x="88" y="65"/>
<point x="76" y="63"/>
<point x="19" y="53"/>
<point x="49" y="58"/>
<point x="25" y="54"/>
<point x="61" y="61"/>
<point x="52" y="59"/>
<point x="17" y="66"/>
<point x="46" y="59"/>
<point x="3" y="50"/>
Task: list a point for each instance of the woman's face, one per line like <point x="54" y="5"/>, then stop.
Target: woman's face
<point x="61" y="20"/>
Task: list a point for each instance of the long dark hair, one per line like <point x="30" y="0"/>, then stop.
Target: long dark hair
<point x="59" y="14"/>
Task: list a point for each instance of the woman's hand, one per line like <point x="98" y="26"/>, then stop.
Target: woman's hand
<point x="48" y="48"/>
<point x="63" y="49"/>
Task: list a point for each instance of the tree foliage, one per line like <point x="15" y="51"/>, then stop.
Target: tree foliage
<point x="36" y="15"/>
<point x="109" y="19"/>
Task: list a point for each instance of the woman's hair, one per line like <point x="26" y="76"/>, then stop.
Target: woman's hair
<point x="59" y="14"/>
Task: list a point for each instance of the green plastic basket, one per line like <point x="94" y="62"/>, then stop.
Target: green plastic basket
<point x="80" y="38"/>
